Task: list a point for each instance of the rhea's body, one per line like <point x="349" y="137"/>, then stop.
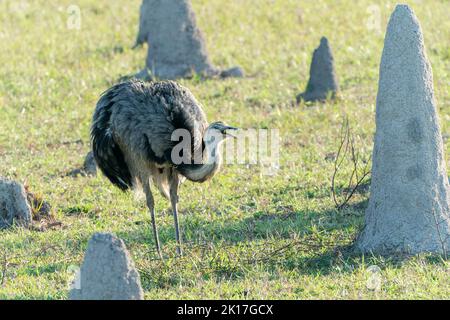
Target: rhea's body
<point x="132" y="139"/>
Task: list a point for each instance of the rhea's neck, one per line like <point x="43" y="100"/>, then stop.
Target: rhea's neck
<point x="210" y="166"/>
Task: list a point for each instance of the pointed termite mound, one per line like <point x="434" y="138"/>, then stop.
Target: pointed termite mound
<point x="176" y="47"/>
<point x="409" y="206"/>
<point x="322" y="82"/>
<point x="107" y="273"/>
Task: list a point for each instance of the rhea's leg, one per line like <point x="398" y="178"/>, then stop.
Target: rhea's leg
<point x="151" y="207"/>
<point x="174" y="182"/>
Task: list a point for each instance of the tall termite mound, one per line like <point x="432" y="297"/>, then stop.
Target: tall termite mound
<point x="409" y="206"/>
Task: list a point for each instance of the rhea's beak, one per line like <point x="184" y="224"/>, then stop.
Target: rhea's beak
<point x="228" y="128"/>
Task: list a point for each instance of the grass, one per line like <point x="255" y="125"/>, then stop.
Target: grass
<point x="247" y="235"/>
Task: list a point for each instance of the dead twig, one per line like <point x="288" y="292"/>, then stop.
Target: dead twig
<point x="347" y="151"/>
<point x="442" y="240"/>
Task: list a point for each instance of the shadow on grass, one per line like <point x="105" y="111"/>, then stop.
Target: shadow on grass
<point x="309" y="242"/>
<point x="261" y="226"/>
<point x="305" y="242"/>
<point x="316" y="242"/>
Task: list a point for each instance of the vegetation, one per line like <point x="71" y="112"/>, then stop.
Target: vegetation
<point x="247" y="235"/>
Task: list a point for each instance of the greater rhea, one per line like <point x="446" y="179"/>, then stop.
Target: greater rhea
<point x="133" y="142"/>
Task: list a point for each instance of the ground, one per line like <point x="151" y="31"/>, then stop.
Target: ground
<point x="247" y="235"/>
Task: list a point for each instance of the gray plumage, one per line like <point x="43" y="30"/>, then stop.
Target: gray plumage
<point x="132" y="139"/>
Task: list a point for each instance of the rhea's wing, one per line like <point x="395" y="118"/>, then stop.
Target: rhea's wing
<point x="182" y="112"/>
<point x="148" y="114"/>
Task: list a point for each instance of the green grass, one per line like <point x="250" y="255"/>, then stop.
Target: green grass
<point x="247" y="235"/>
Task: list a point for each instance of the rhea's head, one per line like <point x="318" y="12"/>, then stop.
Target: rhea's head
<point x="217" y="132"/>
